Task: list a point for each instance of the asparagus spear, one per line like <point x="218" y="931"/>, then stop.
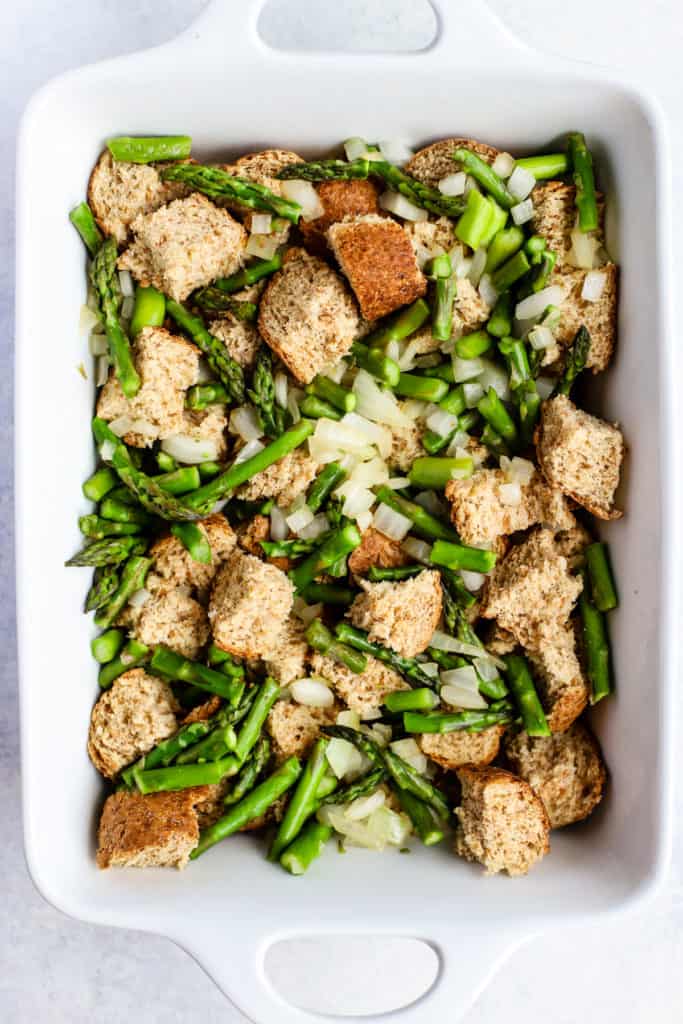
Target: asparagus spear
<point x="400" y="326"/>
<point x="486" y="176"/>
<point x="165" y="462"/>
<point x="411" y="700"/>
<point x="409" y="668"/>
<point x="408" y="778"/>
<point x="548" y="165"/>
<point x="424" y="524"/>
<point x="495" y="413"/>
<point x="294" y="548"/>
<point x="131" y="656"/>
<point x="82" y="219"/>
<point x="303" y="800"/>
<point x="445" y="292"/>
<point x="323" y="485"/>
<point x="107" y="645"/>
<point x="167" y="750"/>
<point x="105" y="582"/>
<point x="575" y="361"/>
<point x="603" y="591"/>
<point x="582" y="174"/>
<point x="470" y="346"/>
<point x="222" y="486"/>
<point x="253" y="766"/>
<point x="456" y="721"/>
<point x="329" y="593"/>
<point x="421" y="816"/>
<point x="213" y="300"/>
<point x="218" y="743"/>
<point x="363" y="786"/>
<point x="105" y="281"/>
<point x="321" y="639"/>
<point x="506" y="275"/>
<point x="457" y="591"/>
<point x="152" y="497"/>
<point x="169" y="664"/>
<point x="503" y="247"/>
<point x="528" y="410"/>
<point x="251" y="806"/>
<point x="201" y="395"/>
<point x="227" y="369"/>
<point x="596" y="648"/>
<point x="376" y="363"/>
<point x="522" y="688"/>
<point x="338" y="544"/>
<point x="426" y="389"/>
<point x="459" y="556"/>
<point x="218" y="184"/>
<point x="435" y="473"/>
<point x="251" y="729"/>
<point x="100" y="484"/>
<point x="141" y="150"/>
<point x="194" y="541"/>
<point x="208" y="470"/>
<point x="477" y="218"/>
<point x="123" y="512"/>
<point x="179" y="481"/>
<point x="110" y="551"/>
<point x="149" y="309"/>
<point x="133" y="575"/>
<point x="327" y="170"/>
<point x="329" y="391"/>
<point x="493" y="441"/>
<point x="500" y="321"/>
<point x="514" y="352"/>
<point x="98" y="528"/>
<point x="175" y="777"/>
<point x="317" y="409"/>
<point x="308" y="845"/>
<point x="249" y="275"/>
<point x="402" y="572"/>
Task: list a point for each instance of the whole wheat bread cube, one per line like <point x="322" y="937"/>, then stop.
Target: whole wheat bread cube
<point x="339" y="199"/>
<point x="434" y="162"/>
<point x="294" y="728"/>
<point x="555" y="217"/>
<point x="400" y="615"/>
<point x="376" y="549"/>
<point x="363" y="692"/>
<point x="156" y="830"/>
<point x="250" y="603"/>
<point x="452" y="750"/>
<point x="599" y="318"/>
<point x="560" y="681"/>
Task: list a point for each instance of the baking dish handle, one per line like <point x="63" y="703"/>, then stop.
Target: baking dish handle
<point x="468" y="958"/>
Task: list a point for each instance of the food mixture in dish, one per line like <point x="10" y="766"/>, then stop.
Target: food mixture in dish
<point x="346" y="576"/>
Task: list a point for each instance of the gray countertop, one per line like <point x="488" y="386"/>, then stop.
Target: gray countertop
<point x="58" y="970"/>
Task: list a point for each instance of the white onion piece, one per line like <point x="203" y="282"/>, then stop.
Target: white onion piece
<point x="128" y="425"/>
<point x="374" y="433"/>
<point x="466" y="369"/>
<point x="494" y="376"/>
<point x="534" y="305"/>
<point x="444" y="642"/>
<point x="545" y="387"/>
<point x="139" y="598"/>
<point x="363" y="807"/>
<point x="407" y="360"/>
<point x="541" y="338"/>
<point x="472" y="392"/>
<point x="306" y="612"/>
<point x="584" y="250"/>
<point x="107" y="449"/>
<point x="430" y="668"/>
<point x="593" y="286"/>
<point x="397" y="483"/>
<point x="250" y="449"/>
<point x="477" y="266"/>
<point x="397" y="204"/>
<point x="294" y="396"/>
<point x="517" y="470"/>
<point x="486" y="670"/>
<point x="357" y="502"/>
<point x="503" y="165"/>
<point x="521" y="182"/>
<point x="552" y="318"/>
<point x="300" y="519"/>
<point x="462" y="696"/>
<point x="371" y="714"/>
<point x="414" y="409"/>
<point x="191" y="450"/>
<point x="263" y="246"/>
<point x="278" y="524"/>
<point x="355" y="148"/>
<point x="280" y="388"/>
<point x="379" y="732"/>
<point x="350" y="718"/>
<point x="431" y="502"/>
<point x="393" y="351"/>
<point x="316" y="528"/>
<point x="244" y="421"/>
<point x="370" y="474"/>
<point x="392" y="524"/>
<point x="441" y="422"/>
<point x="127" y="307"/>
<point x="98" y="345"/>
<point x="418" y="549"/>
<point x="522" y="212"/>
<point x="303" y="193"/>
<point x="459" y="441"/>
<point x="335" y="371"/>
<point x="204" y="372"/>
<point x="410" y="752"/>
<point x="389" y="827"/>
<point x="471" y="185"/>
<point x="510" y="494"/>
<point x="88" y="320"/>
<point x="101" y="371"/>
<point x="453" y="184"/>
<point x="486" y="290"/>
<point x="261" y="223"/>
<point x="474" y="581"/>
<point x="395" y="151"/>
<point x="312" y="692"/>
<point x="127" y="284"/>
<point x="364" y="520"/>
<point x="341" y="436"/>
<point x="342" y="756"/>
<point x="357" y="833"/>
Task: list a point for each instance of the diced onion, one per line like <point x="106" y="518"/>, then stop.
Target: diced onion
<point x="444" y="642"/>
<point x="191" y="450"/>
<point x="316" y="528"/>
<point x="392" y="524"/>
<point x="397" y="204"/>
<point x="593" y="285"/>
<point x="127" y="307"/>
<point x="474" y="581"/>
<point x="364" y="520"/>
<point x="357" y="833"/>
<point x="261" y="223"/>
<point x="430" y="668"/>
<point x="584" y="250"/>
<point x="463" y="694"/>
<point x="407" y="360"/>
<point x="263" y="246"/>
<point x="303" y="193"/>
<point x="98" y="345"/>
<point x="101" y="371"/>
<point x="420" y="550"/>
<point x="342" y="756"/>
<point x="453" y="184"/>
<point x="88" y="320"/>
<point x="128" y="425"/>
<point x="414" y="409"/>
<point x="496" y="377"/>
<point x="139" y="598"/>
<point x="299" y="519"/>
<point x="541" y="338"/>
<point x="306" y="612"/>
<point x="459" y="440"/>
<point x="395" y="151"/>
<point x="522" y="212"/>
<point x="389" y="827"/>
<point x="521" y="182"/>
<point x="280" y="388"/>
<point x="410" y="752"/>
<point x="471" y="185"/>
<point x="510" y="494"/>
<point x="503" y="165"/>
<point x="466" y="369"/>
<point x="397" y="483"/>
<point x="341" y="436"/>
<point x="441" y="422"/>
<point x="312" y="692"/>
<point x="204" y="372"/>
<point x="517" y="470"/>
<point x="472" y="392"/>
<point x="107" y="449"/>
<point x="127" y="284"/>
<point x="487" y="292"/>
<point x="294" y="396"/>
<point x="250" y="449"/>
<point x="245" y="422"/>
<point x="357" y="502"/>
<point x="545" y="387"/>
<point x="477" y="266"/>
<point x="379" y="732"/>
<point x="370" y="474"/>
<point x="355" y="148"/>
<point x="535" y="305"/>
<point x="486" y="670"/>
<point x="371" y="714"/>
<point x="278" y="524"/>
<point x="350" y="718"/>
<point x="363" y="807"/>
<point x="363" y="426"/>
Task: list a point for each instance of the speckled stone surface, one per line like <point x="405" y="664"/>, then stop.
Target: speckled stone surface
<point x="60" y="971"/>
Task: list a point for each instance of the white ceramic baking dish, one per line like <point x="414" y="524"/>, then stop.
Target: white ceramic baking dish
<point x="222" y="85"/>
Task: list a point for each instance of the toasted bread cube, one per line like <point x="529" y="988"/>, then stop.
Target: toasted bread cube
<point x="285" y="480"/>
<point x="432" y="163"/>
<point x="560" y="681"/>
<point x="172" y="618"/>
<point x="363" y="692"/>
<point x="376" y="549"/>
<point x="208" y="425"/>
<point x="157" y="830"/>
<point x="307" y="315"/>
<point x="174" y="563"/>
<point x="531" y="592"/>
<point x="480" y="515"/>
<point x="502" y="823"/>
<point x="183" y="246"/>
<point x="599" y="318"/>
<point x="581" y="455"/>
<point x="119" y="191"/>
<point x="500" y="641"/>
<point x="403" y="615"/>
<point x="129" y="719"/>
<point x="555" y="217"/>
<point x="339" y="199"/>
<point x="565" y="770"/>
<point x="263" y="167"/>
<point x="377" y="258"/>
<point x="452" y="750"/>
<point x="294" y="728"/>
<point x="287" y="660"/>
<point x="571" y="543"/>
<point x="430" y="238"/>
<point x="202" y="712"/>
<point x="239" y="337"/>
<point x="249" y="606"/>
<point x="167" y="366"/>
<point x="406" y="446"/>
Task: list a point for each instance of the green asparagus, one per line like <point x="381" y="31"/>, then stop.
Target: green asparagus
<point x="321" y="639"/>
<point x="584" y="181"/>
<point x="435" y="473"/>
<point x="318" y="409"/>
<point x="426" y="389"/>
<point x="472" y="345"/>
<point x="329" y="391"/>
<point x="495" y="413"/>
<point x="510" y="272"/>
<point x="199" y="396"/>
<point x="250" y="275"/>
<point x="308" y="845"/>
<point x="105" y="581"/>
<point x="104" y="279"/>
<point x="248" y="776"/>
<point x="227" y="369"/>
<point x="327" y="170"/>
<point x="179" y="481"/>
<point x="124" y="512"/>
<point x="548" y="165"/>
<point x="194" y="540"/>
<point x="422" y="817"/>
<point x="424" y="523"/>
<point x="376" y="573"/>
<point x="411" y="700"/>
<point x="218" y="743"/>
<point x="173" y="666"/>
<point x="303" y="799"/>
<point x="323" y="485"/>
<point x="503" y="247"/>
<point x="596" y="648"/>
<point x="363" y="786"/>
<point x="251" y="728"/>
<point x="400" y="326"/>
<point x="522" y="688"/>
<point x="603" y="591"/>
<point x="141" y="150"/>
<point x="376" y="363"/>
<point x="459" y="556"/>
<point x="456" y="721"/>
<point x="107" y="645"/>
<point x="100" y="484"/>
<point x="218" y="184"/>
<point x="484" y="174"/>
<point x="329" y="593"/>
<point x="338" y="544"/>
<point x="575" y="360"/>
<point x="184" y="776"/>
<point x="82" y="219"/>
<point x="133" y="576"/>
<point x="409" y="668"/>
<point x="149" y="310"/>
<point x="213" y="300"/>
<point x="131" y="656"/>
